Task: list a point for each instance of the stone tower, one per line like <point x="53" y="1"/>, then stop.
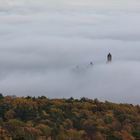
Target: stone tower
<point x="109" y="57"/>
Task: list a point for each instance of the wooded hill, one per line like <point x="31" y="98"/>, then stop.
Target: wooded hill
<point x="30" y="118"/>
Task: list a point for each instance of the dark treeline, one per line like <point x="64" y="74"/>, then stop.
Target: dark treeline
<point x="30" y="118"/>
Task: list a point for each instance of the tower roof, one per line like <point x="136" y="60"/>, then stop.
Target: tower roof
<point x="109" y="54"/>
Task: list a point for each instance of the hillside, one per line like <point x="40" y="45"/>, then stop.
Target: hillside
<point x="30" y="118"/>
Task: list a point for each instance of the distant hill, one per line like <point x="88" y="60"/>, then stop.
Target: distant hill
<point x="30" y="118"/>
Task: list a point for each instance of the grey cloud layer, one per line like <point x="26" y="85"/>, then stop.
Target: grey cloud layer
<point x="42" y="41"/>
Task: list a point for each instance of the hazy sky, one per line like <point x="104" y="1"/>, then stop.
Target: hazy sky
<point x="46" y="47"/>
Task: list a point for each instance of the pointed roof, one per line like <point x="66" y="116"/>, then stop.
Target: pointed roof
<point x="109" y="54"/>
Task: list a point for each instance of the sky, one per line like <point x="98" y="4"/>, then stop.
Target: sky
<point x="46" y="47"/>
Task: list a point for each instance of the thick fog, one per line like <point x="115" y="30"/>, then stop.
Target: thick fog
<point x="46" y="47"/>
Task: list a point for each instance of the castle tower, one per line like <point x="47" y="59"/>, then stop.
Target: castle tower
<point x="109" y="57"/>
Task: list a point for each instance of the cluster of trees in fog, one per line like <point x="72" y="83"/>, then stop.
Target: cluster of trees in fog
<point x="40" y="118"/>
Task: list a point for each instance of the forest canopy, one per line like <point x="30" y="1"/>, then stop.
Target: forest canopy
<point x="40" y="118"/>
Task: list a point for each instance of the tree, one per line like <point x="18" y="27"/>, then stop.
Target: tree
<point x="1" y="96"/>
